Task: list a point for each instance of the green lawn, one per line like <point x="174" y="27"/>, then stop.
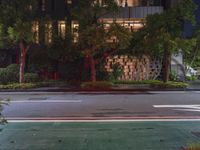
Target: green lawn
<point x="99" y="136"/>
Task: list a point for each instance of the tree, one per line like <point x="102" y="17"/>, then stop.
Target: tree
<point x="192" y="49"/>
<point x="96" y="40"/>
<point x="162" y="34"/>
<point x="16" y="24"/>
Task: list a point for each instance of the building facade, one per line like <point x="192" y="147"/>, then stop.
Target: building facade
<point x="132" y="15"/>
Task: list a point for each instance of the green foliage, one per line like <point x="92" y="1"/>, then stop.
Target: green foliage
<point x="88" y="11"/>
<point x="169" y="85"/>
<point x="24" y="86"/>
<point x="137" y="82"/>
<point x="18" y="86"/>
<point x="9" y="74"/>
<point x="68" y="72"/>
<point x="192" y="49"/>
<point x="16" y="18"/>
<point x="96" y="85"/>
<point x="173" y="76"/>
<point x="1" y="36"/>
<point x="38" y="60"/>
<point x="31" y="78"/>
<point x="61" y="50"/>
<point x="93" y="35"/>
<point x="97" y="40"/>
<point x="117" y="71"/>
<point x="163" y="31"/>
<point x="191" y="78"/>
<point x="155" y="84"/>
<point x="122" y="36"/>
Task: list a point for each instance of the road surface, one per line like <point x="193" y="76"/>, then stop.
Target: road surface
<point x="80" y="106"/>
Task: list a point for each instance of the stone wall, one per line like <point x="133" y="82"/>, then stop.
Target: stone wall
<point x="135" y="68"/>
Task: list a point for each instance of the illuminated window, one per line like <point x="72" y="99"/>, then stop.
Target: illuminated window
<point x="75" y="28"/>
<point x="132" y="3"/>
<point x="35" y="30"/>
<point x="131" y="24"/>
<point x="69" y="1"/>
<point x="48" y="33"/>
<point x="61" y="29"/>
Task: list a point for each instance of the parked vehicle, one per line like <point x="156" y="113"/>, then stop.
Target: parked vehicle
<point x="190" y="71"/>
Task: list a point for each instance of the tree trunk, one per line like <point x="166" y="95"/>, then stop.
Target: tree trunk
<point x="93" y="69"/>
<point x="166" y="65"/>
<point x="23" y="51"/>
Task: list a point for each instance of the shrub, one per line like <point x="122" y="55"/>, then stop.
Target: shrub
<point x="97" y="85"/>
<point x="117" y="72"/>
<point x="156" y="83"/>
<point x="31" y="77"/>
<point x="191" y="78"/>
<point x="169" y="84"/>
<point x="173" y="76"/>
<point x="18" y="86"/>
<point x="9" y="74"/>
<point x="137" y="82"/>
<point x="3" y="76"/>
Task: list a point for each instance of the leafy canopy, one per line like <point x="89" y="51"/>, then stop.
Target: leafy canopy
<point x="163" y="31"/>
<point x="16" y="20"/>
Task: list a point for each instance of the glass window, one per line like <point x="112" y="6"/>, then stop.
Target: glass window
<point x="69" y="1"/>
<point x="61" y="29"/>
<point x="75" y="28"/>
<point x="35" y="30"/>
<point x="48" y="33"/>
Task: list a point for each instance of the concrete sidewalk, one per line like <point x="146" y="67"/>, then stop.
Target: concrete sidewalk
<point x="194" y="85"/>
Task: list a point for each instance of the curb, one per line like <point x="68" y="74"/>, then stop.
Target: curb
<point x="99" y="91"/>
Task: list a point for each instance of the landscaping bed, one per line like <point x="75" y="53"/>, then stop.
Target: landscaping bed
<point x="128" y="85"/>
<point x="31" y="85"/>
<point x="153" y="84"/>
<point x="99" y="85"/>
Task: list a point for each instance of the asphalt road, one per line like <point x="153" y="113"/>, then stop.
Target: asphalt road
<point x="61" y="106"/>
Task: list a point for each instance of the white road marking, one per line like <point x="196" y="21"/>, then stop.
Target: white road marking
<point x="116" y="120"/>
<point x="45" y="101"/>
<point x="193" y="108"/>
<point x="169" y="92"/>
<point x="197" y="110"/>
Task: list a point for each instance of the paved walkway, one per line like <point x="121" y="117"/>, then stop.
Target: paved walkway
<point x="99" y="136"/>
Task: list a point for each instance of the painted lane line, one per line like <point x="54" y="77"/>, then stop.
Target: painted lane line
<point x="177" y="106"/>
<point x="103" y="118"/>
<point x="118" y="120"/>
<point x="169" y="92"/>
<point x="191" y="108"/>
<point x="46" y="101"/>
